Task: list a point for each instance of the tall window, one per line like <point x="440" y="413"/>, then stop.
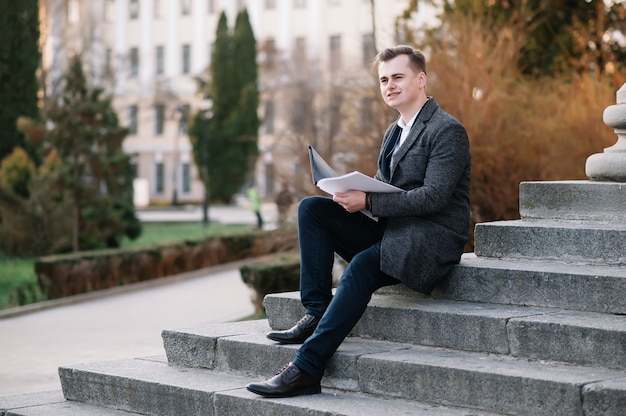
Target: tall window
<point x="186" y="59"/>
<point x="133" y="113"/>
<point x="186" y="177"/>
<point x="299" y="51"/>
<point x="160" y="60"/>
<point x="133" y="10"/>
<point x="269" y="53"/>
<point x="183" y="113"/>
<point x="159" y="178"/>
<point x="133" y="60"/>
<point x="185" y="7"/>
<point x="268" y="120"/>
<point x="299" y="4"/>
<point x="369" y="49"/>
<point x="211" y="6"/>
<point x="366" y="109"/>
<point x="270" y="4"/>
<point x="159" y="119"/>
<point x="108" y="62"/>
<point x="335" y="53"/>
<point x="335" y="114"/>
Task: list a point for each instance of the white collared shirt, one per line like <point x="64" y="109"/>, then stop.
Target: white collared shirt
<point x="406" y="129"/>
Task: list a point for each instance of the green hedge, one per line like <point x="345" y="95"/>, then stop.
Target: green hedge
<point x="71" y="274"/>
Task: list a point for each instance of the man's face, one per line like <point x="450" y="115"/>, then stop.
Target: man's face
<point x="400" y="86"/>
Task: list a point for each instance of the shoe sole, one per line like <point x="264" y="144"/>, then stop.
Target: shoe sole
<point x="304" y="392"/>
<point x="286" y="341"/>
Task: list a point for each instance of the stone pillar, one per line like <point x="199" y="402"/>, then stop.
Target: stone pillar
<point x="610" y="165"/>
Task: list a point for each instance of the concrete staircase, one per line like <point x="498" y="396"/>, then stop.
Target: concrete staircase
<point x="532" y="324"/>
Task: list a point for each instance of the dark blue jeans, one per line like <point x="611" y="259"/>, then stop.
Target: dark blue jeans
<point x="325" y="228"/>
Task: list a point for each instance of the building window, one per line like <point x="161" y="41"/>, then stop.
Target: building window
<point x="185" y="7"/>
<point x="133" y="10"/>
<point x="108" y="62"/>
<point x="270" y="4"/>
<point x="186" y="59"/>
<point x="133" y="113"/>
<point x="268" y="53"/>
<point x="334" y="2"/>
<point x="186" y="177"/>
<point x="134" y="62"/>
<point x="335" y="114"/>
<point x="160" y="60"/>
<point x="299" y="51"/>
<point x="366" y="109"/>
<point x="159" y="178"/>
<point x="158" y="8"/>
<point x="183" y="112"/>
<point x="268" y="120"/>
<point x="369" y="49"/>
<point x="299" y="4"/>
<point x="159" y="119"/>
<point x="211" y="6"/>
<point x="335" y="53"/>
<point x="73" y="11"/>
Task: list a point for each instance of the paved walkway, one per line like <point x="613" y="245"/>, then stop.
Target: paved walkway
<point x="121" y="322"/>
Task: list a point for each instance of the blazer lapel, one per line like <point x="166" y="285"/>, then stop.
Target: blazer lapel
<point x="419" y="125"/>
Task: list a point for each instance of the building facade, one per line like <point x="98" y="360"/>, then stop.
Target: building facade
<point x="148" y="53"/>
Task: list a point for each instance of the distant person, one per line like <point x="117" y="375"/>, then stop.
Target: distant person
<point x="255" y="204"/>
<point x="418" y="239"/>
<point x="283" y="200"/>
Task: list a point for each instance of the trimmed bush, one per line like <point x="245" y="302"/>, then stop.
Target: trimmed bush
<point x="274" y="274"/>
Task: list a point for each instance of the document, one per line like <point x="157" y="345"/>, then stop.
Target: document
<point x="328" y="181"/>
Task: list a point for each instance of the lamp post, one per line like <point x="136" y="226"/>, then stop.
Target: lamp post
<point x="181" y="115"/>
<point x="206" y="114"/>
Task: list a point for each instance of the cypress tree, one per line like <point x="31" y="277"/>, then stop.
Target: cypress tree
<point x="19" y="60"/>
<point x="245" y="118"/>
<point x="231" y="135"/>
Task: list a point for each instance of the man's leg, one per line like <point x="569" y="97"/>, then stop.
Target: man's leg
<point x="361" y="278"/>
<point x="324" y="228"/>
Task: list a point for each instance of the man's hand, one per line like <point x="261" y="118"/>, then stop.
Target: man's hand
<point x="351" y="201"/>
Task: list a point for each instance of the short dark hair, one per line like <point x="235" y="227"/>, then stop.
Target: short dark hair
<point x="416" y="57"/>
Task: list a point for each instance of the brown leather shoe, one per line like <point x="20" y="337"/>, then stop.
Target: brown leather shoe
<point x="290" y="381"/>
<point x="298" y="333"/>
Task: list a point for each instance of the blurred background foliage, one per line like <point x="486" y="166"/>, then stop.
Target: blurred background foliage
<point x="530" y="81"/>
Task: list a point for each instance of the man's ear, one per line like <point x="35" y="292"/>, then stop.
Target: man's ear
<point x="422" y="80"/>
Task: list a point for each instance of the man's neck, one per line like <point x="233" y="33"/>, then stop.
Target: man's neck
<point x="408" y="114"/>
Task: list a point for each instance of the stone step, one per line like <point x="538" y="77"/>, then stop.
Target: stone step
<point x="151" y="387"/>
<point x="492" y="382"/>
<point x="573" y="200"/>
<point x="553" y="284"/>
<point x="52" y="403"/>
<point x="584" y="338"/>
<point x="569" y="241"/>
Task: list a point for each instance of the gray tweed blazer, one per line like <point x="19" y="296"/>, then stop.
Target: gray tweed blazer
<point x="427" y="225"/>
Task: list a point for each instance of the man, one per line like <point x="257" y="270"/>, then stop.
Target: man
<point x="419" y="237"/>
